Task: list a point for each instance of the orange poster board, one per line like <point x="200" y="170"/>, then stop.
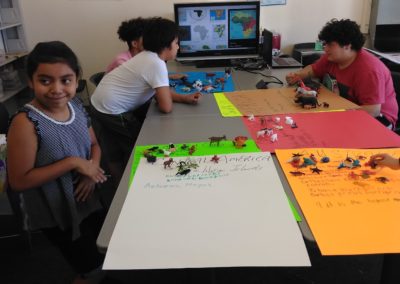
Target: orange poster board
<point x="349" y="210"/>
<point x="281" y="100"/>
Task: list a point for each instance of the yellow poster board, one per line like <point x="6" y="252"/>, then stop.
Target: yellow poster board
<point x="349" y="210"/>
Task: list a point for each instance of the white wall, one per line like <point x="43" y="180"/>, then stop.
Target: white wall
<point x="89" y="26"/>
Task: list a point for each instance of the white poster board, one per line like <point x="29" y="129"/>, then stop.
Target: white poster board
<point x="227" y="214"/>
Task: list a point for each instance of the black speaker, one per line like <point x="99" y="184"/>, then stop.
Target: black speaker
<point x="266" y="50"/>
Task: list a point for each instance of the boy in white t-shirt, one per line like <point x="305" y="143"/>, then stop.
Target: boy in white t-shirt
<point x="120" y="101"/>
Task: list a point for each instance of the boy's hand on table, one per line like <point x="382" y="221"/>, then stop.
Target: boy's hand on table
<point x="193" y="98"/>
<point x="292" y="78"/>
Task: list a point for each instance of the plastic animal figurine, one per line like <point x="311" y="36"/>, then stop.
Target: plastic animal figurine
<point x="191" y="164"/>
<point x="251" y="117"/>
<point x="186" y="89"/>
<point x="304" y="90"/>
<point x="367" y="174"/>
<point x="316" y="170"/>
<point x="216" y="139"/>
<point x="172" y="147"/>
<point x="307" y="162"/>
<point x="325" y="159"/>
<point x="295" y="160"/>
<point x="215" y="159"/>
<point x="300" y="91"/>
<point x="228" y="72"/>
<point x="349" y="163"/>
<point x="192" y="149"/>
<point x="312" y="157"/>
<point x="382" y="179"/>
<point x="239" y="141"/>
<point x="186" y="83"/>
<point x="274" y="137"/>
<point x="150" y="158"/>
<point x="166" y="153"/>
<point x="183" y="172"/>
<point x="198" y="85"/>
<point x="297" y="173"/>
<point x="353" y="175"/>
<point x="220" y="81"/>
<point x="289" y="120"/>
<point x="168" y="163"/>
<point x="262" y="132"/>
<point x="208" y="88"/>
<point x="307" y="102"/>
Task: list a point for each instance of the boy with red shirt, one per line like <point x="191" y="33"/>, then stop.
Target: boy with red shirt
<point x="362" y="78"/>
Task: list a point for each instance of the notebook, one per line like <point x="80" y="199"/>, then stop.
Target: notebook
<point x="276" y="62"/>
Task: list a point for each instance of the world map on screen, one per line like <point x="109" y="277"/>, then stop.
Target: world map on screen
<point x="243" y="24"/>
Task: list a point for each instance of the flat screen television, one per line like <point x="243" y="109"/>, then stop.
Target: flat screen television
<point x="215" y="31"/>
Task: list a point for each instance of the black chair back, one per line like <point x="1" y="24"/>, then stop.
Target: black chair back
<point x="96" y="78"/>
<point x="4" y="117"/>
<point x="396" y="84"/>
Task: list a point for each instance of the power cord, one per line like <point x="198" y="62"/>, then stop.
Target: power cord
<point x="276" y="80"/>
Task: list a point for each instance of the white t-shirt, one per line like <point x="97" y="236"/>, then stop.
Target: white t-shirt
<point x="131" y="84"/>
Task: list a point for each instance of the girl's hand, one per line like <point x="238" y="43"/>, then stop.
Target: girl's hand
<point x="84" y="189"/>
<point x="91" y="170"/>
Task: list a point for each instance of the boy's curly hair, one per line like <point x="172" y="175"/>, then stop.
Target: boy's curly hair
<point x="343" y="32"/>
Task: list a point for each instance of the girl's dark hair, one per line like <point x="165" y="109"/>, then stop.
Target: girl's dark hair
<point x="52" y="52"/>
<point x="159" y="34"/>
<point x="344" y="32"/>
<point x="131" y="30"/>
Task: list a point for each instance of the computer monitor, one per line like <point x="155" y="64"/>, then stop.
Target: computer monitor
<point x="214" y="31"/>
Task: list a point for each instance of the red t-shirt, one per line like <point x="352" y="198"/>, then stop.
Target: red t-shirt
<point x="366" y="81"/>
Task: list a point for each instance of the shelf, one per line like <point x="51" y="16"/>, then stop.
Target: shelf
<point x="12" y="57"/>
<point x="5" y="26"/>
<point x="5" y="95"/>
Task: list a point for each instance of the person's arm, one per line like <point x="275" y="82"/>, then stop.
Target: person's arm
<point x="86" y="186"/>
<point x="304" y="73"/>
<point x="164" y="99"/>
<point x="22" y="146"/>
<point x="385" y="160"/>
<point x="373" y="110"/>
<point x="370" y="91"/>
<point x="187" y="98"/>
<point x="95" y="151"/>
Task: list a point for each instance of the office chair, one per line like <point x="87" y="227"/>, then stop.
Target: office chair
<point x="4" y="116"/>
<point x="13" y="197"/>
<point x="82" y="86"/>
<point x="96" y="78"/>
<point x="396" y="84"/>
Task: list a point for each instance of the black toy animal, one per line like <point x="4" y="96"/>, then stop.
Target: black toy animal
<point x="307" y="102"/>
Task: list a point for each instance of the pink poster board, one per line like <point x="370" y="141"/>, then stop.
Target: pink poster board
<point x="345" y="129"/>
